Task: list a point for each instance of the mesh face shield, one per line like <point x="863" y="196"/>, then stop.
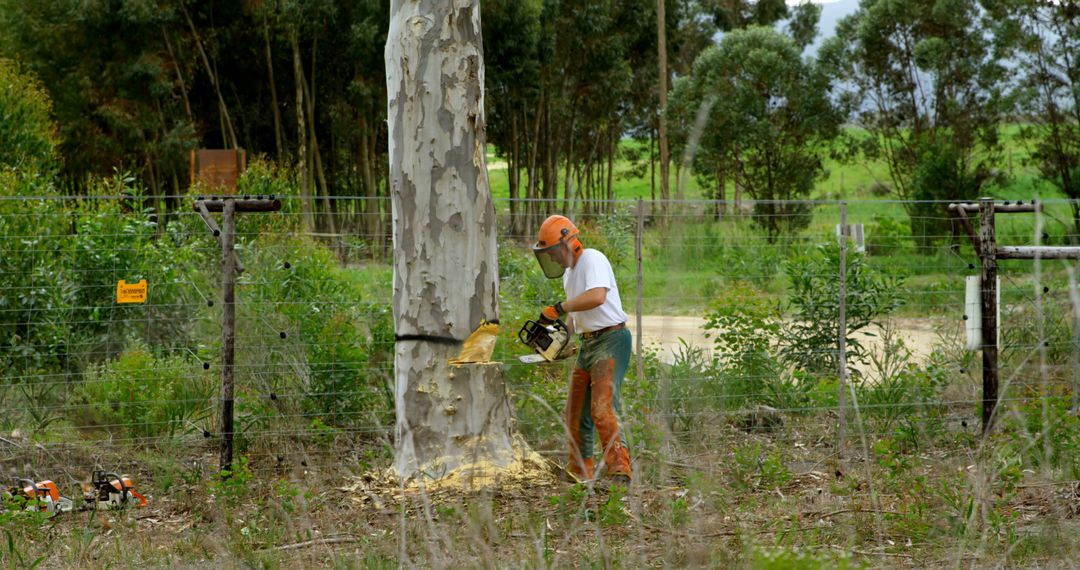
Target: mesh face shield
<point x="549" y="260"/>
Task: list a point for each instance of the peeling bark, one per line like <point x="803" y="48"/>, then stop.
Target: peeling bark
<point x="445" y="264"/>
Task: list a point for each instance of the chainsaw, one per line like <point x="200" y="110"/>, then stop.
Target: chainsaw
<point x="549" y="341"/>
<point x="45" y="494"/>
<point x="112" y="491"/>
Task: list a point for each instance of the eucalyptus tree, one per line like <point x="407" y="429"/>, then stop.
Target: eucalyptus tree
<point x="765" y="113"/>
<point x="445" y="264"/>
<point x="112" y="80"/>
<point x="1046" y="36"/>
<point x="512" y="43"/>
<point x="925" y="80"/>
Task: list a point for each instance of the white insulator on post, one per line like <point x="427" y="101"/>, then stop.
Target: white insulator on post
<point x="972" y="312"/>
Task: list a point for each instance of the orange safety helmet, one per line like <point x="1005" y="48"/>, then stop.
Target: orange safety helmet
<point x="555" y="232"/>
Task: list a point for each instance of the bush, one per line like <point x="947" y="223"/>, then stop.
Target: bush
<point x="886" y="235"/>
<point x="38" y="287"/>
<point x="144" y="395"/>
<point x="744" y="325"/>
<point x="942" y="173"/>
<point x="314" y="330"/>
<point x="809" y="341"/>
<point x="120" y="239"/>
<point x="28" y="136"/>
<point x="880" y="189"/>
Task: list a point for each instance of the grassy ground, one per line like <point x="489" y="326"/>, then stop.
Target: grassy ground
<point x="717" y="495"/>
<point x="720" y="481"/>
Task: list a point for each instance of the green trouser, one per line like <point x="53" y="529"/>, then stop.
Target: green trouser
<point x="594" y="402"/>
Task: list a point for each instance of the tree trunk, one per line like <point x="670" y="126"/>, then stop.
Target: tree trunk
<point x="721" y="193"/>
<point x="512" y="174"/>
<point x="301" y="136"/>
<point x="446" y="264"/>
<point x="228" y="130"/>
<point x="652" y="168"/>
<point x="531" y="222"/>
<point x="328" y="206"/>
<point x="568" y="186"/>
<point x="370" y="210"/>
<point x="612" y="142"/>
<point x="279" y="138"/>
<point x="179" y="77"/>
<point x="661" y="38"/>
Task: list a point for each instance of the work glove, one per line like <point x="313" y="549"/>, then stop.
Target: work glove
<point x="551" y="313"/>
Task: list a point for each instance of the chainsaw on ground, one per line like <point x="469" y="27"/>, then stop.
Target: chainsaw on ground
<point x="41" y="495"/>
<point x="551" y="342"/>
<point x="111" y="491"/>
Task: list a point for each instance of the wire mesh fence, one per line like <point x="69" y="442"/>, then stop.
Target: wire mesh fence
<point x="735" y="308"/>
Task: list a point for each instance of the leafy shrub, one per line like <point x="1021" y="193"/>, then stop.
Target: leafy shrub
<point x="694" y="387"/>
<point x="28" y="136"/>
<point x="612" y="234"/>
<point x="265" y="178"/>
<point x="886" y="235"/>
<point x="880" y="189"/>
<point x="144" y="395"/>
<point x="319" y="319"/>
<point x="744" y="325"/>
<point x="809" y="341"/>
<point x="746" y="328"/>
<point x="895" y="389"/>
<point x="942" y="173"/>
<point x="782" y="218"/>
<point x="232" y="486"/>
<point x="1050" y="432"/>
<point x="121" y="239"/>
<point x="38" y="288"/>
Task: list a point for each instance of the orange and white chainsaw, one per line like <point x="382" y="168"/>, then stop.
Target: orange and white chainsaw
<point x="41" y="495"/>
<point x="550" y="341"/>
<point x="111" y="491"/>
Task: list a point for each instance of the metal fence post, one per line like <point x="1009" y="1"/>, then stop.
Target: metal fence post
<point x="841" y="340"/>
<point x="638" y="247"/>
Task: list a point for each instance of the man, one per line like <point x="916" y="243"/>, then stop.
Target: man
<point x="595" y="312"/>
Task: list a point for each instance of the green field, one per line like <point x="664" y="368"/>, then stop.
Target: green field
<point x="841" y="180"/>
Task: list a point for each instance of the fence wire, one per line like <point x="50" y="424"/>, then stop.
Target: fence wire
<point x="739" y="313"/>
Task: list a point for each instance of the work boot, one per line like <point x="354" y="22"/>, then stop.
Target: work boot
<point x="620" y="479"/>
<point x="575" y="473"/>
<point x="606" y="482"/>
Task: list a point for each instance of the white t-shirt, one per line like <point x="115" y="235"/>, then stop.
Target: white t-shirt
<point x="591" y="271"/>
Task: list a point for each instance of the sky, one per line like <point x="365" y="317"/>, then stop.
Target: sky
<point x="831" y="13"/>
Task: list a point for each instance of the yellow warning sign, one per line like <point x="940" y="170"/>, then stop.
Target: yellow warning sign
<point x="131" y="292"/>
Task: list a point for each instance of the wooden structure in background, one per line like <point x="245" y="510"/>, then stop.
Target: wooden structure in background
<point x="218" y="169"/>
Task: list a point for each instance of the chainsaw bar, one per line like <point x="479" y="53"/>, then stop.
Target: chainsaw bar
<point x="539" y="359"/>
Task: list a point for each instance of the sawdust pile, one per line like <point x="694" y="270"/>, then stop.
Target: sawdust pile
<point x="526" y="470"/>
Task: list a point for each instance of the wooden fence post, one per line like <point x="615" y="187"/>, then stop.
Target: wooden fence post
<point x="231" y="266"/>
<point x="228" y="340"/>
<point x="988" y="255"/>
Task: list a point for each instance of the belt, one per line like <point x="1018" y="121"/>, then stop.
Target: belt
<point x="598" y="332"/>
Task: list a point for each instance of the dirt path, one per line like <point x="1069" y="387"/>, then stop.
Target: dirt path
<point x="663" y="333"/>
